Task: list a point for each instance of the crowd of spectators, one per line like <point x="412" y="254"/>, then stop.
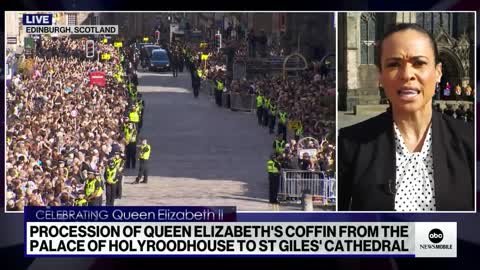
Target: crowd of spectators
<point x="59" y="125"/>
<point x="309" y="99"/>
<point x="458" y="93"/>
<point x="460" y="111"/>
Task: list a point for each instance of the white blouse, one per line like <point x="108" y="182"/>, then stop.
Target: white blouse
<point x="415" y="190"/>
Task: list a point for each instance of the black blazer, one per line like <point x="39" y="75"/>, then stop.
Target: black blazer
<point x="366" y="169"/>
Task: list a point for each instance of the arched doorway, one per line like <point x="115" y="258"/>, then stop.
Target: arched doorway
<point x="452" y="71"/>
<point x="454" y="56"/>
<point x="293" y="64"/>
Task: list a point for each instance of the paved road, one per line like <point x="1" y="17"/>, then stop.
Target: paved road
<point x="201" y="154"/>
<point x="346" y="119"/>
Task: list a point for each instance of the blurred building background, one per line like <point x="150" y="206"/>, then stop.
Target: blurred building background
<point x="313" y="34"/>
<point x="360" y="31"/>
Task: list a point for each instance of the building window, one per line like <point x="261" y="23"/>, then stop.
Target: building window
<point x="71" y="19"/>
<point x="94" y="20"/>
<point x="447" y="22"/>
<point x="367" y="38"/>
<point x="437" y="24"/>
<point x="432" y="22"/>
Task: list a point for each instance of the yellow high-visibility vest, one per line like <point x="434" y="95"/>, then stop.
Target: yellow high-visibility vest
<point x="145" y="152"/>
<point x="130" y="135"/>
<point x="266" y="103"/>
<point x="279" y="146"/>
<point x="283" y="117"/>
<point x="134" y="117"/>
<point x="271" y="168"/>
<point x="118" y="162"/>
<point x="90" y="187"/>
<point x="273" y="109"/>
<point x="111" y="175"/>
<point x="259" y="101"/>
<point x="81" y="202"/>
<point x="220" y="86"/>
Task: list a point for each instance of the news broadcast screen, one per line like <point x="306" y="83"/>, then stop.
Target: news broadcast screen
<point x="336" y="136"/>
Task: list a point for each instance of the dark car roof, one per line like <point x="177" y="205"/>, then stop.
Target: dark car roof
<point x="159" y="50"/>
<point x="162" y="54"/>
<point x="149" y="48"/>
<point x="141" y="45"/>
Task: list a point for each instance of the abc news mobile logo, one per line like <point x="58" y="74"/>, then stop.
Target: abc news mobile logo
<point x="435" y="236"/>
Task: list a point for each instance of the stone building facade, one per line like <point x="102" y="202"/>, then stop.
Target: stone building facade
<point x="359" y="33"/>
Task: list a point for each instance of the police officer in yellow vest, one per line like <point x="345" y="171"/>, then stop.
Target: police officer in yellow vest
<point x="219" y="86"/>
<point x="282" y="125"/>
<point x="119" y="163"/>
<point x="279" y="145"/>
<point x="273" y="168"/>
<point x="134" y="116"/>
<point x="111" y="185"/>
<point x="272" y="114"/>
<point x="132" y="91"/>
<point x="131" y="140"/>
<point x="199" y="73"/>
<point x="259" y="100"/>
<point x="145" y="150"/>
<point x="266" y="108"/>
<point x="299" y="132"/>
<point x="81" y="201"/>
<point x="140" y="108"/>
<point x="174" y="63"/>
<point x="196" y="83"/>
<point x="93" y="190"/>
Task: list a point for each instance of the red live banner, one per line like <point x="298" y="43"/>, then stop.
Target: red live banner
<point x="97" y="78"/>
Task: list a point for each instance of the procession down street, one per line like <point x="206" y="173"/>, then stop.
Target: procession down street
<point x="201" y="154"/>
<point x="172" y="115"/>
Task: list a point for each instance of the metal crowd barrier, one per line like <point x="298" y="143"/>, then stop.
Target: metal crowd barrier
<point x="293" y="183"/>
<point x="242" y="102"/>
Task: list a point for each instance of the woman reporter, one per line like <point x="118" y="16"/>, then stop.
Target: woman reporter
<point x="409" y="158"/>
